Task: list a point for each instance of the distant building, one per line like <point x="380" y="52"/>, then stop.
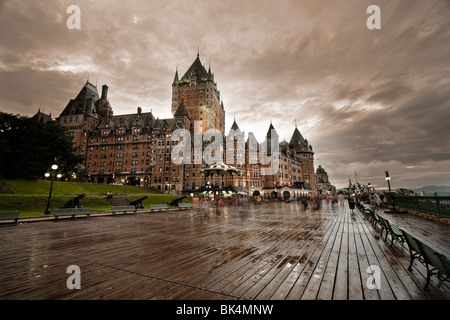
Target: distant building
<point x="323" y="184"/>
<point x="136" y="148"/>
<point x="42" y="117"/>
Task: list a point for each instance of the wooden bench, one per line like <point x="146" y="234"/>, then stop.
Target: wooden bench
<point x="158" y="206"/>
<point x="71" y="212"/>
<point x="10" y="215"/>
<point x="414" y="249"/>
<point x="436" y="263"/>
<point x="390" y="229"/>
<point x="182" y="205"/>
<point x="372" y="216"/>
<point x="360" y="206"/>
<point x="123" y="209"/>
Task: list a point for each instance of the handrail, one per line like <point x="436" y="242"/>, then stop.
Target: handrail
<point x="436" y="205"/>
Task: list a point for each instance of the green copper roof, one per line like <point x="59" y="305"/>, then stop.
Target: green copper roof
<point x="196" y="70"/>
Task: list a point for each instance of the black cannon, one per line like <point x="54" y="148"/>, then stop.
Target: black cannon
<point x="138" y="203"/>
<point x="176" y="201"/>
<point x="75" y="202"/>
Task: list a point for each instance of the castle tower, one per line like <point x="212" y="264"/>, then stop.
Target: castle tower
<point x="80" y="116"/>
<point x="182" y="114"/>
<point x="201" y="98"/>
<point x="300" y="147"/>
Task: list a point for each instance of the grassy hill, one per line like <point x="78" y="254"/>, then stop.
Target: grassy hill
<point x="30" y="197"/>
<point x="60" y="187"/>
<point x="430" y="190"/>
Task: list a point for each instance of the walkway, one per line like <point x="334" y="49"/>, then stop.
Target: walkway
<point x="271" y="251"/>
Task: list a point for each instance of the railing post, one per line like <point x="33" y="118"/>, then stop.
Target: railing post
<point x="416" y="202"/>
<point x="437" y="204"/>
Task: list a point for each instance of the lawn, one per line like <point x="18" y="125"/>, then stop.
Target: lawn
<point x="61" y="187"/>
<point x="35" y="204"/>
<point x="31" y="196"/>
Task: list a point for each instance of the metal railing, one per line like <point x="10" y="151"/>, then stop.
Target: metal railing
<point x="436" y="205"/>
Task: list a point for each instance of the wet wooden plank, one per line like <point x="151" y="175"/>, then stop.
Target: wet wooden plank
<point x="273" y="251"/>
<point x="355" y="276"/>
<point x="308" y="271"/>
<point x="365" y="254"/>
<point x="279" y="274"/>
<point x="328" y="282"/>
<point x="341" y="279"/>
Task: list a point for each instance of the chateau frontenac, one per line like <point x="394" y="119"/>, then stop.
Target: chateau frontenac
<point x="138" y="148"/>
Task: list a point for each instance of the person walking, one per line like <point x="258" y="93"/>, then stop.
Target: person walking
<point x="219" y="206"/>
<point x="304" y="203"/>
<point x="378" y="199"/>
<point x="341" y="200"/>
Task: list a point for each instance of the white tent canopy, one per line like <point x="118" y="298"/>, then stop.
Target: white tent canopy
<point x="222" y="169"/>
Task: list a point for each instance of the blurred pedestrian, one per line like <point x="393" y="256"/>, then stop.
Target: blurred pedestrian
<point x="219" y="206"/>
<point x="378" y="199"/>
<point x="304" y="203"/>
<point x="341" y="200"/>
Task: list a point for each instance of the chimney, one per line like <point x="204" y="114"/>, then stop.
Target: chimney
<point x="139" y="110"/>
<point x="105" y="92"/>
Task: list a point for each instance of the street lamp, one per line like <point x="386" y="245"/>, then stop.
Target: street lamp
<point x="51" y="174"/>
<point x="393" y="208"/>
<point x="388" y="178"/>
<point x="369" y="186"/>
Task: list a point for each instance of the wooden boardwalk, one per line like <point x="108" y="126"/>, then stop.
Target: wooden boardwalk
<point x="273" y="251"/>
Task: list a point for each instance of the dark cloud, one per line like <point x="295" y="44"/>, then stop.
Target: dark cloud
<point x="367" y="100"/>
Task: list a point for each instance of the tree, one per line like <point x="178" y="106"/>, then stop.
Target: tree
<point x="404" y="192"/>
<point x="29" y="148"/>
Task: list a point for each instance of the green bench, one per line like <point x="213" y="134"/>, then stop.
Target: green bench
<point x="436" y="263"/>
<point x="10" y="215"/>
<point x="71" y="212"/>
<point x="158" y="206"/>
<point x="182" y="205"/>
<point x="360" y="206"/>
<point x="413" y="247"/>
<point x="390" y="229"/>
<point x="123" y="209"/>
<point x="372" y="216"/>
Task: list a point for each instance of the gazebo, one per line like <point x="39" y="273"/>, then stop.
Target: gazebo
<point x="224" y="170"/>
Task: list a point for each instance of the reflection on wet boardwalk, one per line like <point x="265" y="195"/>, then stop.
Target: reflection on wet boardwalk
<point x="271" y="251"/>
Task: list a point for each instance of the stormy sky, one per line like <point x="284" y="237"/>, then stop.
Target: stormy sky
<point x="367" y="100"/>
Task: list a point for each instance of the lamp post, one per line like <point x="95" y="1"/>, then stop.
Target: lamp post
<point x="388" y="178"/>
<point x="369" y="186"/>
<point x="52" y="174"/>
<point x="392" y="208"/>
